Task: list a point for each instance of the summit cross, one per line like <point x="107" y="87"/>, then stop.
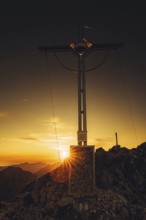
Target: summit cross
<point x="81" y="48"/>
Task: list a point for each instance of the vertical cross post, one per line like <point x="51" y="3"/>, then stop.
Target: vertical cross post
<point x="81" y="48"/>
<point x="82" y="118"/>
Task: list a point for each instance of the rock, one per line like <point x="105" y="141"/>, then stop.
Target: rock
<point x="120" y="191"/>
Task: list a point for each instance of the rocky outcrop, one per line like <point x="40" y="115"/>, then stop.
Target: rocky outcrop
<point x="45" y="199"/>
<point x="12" y="181"/>
<point x="124" y="171"/>
<point x="120" y="191"/>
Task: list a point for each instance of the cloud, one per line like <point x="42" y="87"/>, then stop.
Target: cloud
<point x="52" y="140"/>
<point x="28" y="138"/>
<point x="32" y="137"/>
<point x="55" y="122"/>
<point x="103" y="142"/>
<point x="3" y="114"/>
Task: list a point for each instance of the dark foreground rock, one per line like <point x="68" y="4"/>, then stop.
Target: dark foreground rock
<point x="120" y="191"/>
<point x="45" y="199"/>
<point x="12" y="181"/>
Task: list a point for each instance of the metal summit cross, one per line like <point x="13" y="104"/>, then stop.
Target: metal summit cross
<point x="81" y="48"/>
<point x="82" y="171"/>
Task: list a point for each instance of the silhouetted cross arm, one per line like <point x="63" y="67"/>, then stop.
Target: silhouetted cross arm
<point x="84" y="48"/>
<point x="58" y="48"/>
<point x="81" y="48"/>
<point x="107" y="46"/>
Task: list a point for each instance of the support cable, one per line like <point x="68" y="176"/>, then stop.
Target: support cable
<point x="87" y="70"/>
<point x="52" y="103"/>
<point x="127" y="95"/>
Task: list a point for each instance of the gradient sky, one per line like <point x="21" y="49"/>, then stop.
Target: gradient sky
<point x="116" y="100"/>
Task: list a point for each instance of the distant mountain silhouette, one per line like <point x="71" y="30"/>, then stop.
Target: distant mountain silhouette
<point x="31" y="167"/>
<point x="12" y="181"/>
<point x="47" y="169"/>
<point x="120" y="190"/>
<point x="38" y="169"/>
<point x="14" y="178"/>
<point x="2" y="168"/>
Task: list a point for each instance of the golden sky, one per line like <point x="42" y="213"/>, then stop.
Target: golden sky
<point x="27" y="131"/>
<point x="116" y="91"/>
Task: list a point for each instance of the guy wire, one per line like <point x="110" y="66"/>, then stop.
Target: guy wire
<point x="127" y="95"/>
<point x="52" y="103"/>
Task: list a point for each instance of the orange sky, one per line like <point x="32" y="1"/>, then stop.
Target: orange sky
<point x="27" y="130"/>
<point x="27" y="126"/>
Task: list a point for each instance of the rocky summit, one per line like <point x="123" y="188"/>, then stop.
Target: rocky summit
<point x="120" y="191"/>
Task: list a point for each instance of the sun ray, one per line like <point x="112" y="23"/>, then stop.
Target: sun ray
<point x="64" y="154"/>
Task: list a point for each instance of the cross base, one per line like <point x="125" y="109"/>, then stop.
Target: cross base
<point x="82" y="171"/>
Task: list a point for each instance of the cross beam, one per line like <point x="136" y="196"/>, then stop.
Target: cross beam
<point x="68" y="48"/>
<point x="81" y="48"/>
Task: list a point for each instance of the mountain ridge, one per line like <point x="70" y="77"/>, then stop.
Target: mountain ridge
<point x="12" y="180"/>
<point x="120" y="191"/>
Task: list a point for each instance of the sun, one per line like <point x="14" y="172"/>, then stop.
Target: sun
<point x="64" y="154"/>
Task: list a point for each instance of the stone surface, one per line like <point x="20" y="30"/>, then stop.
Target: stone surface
<point x="120" y="191"/>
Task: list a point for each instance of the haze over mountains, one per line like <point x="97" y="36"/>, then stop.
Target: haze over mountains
<point x="120" y="190"/>
<point x="33" y="167"/>
<point x="14" y="178"/>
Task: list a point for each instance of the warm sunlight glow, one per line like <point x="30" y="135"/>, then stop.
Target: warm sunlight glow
<point x="64" y="154"/>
